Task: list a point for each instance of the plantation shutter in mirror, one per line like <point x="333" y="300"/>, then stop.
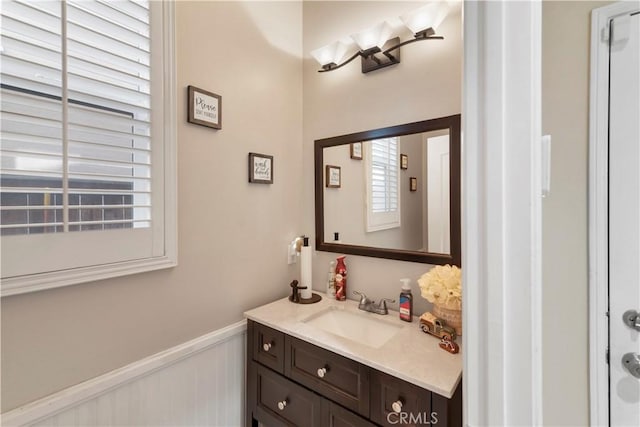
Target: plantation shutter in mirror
<point x="383" y="191"/>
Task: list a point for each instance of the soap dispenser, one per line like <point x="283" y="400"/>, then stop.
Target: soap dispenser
<point x="406" y="301"/>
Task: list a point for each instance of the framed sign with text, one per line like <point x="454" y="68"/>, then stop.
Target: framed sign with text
<point x="260" y="168"/>
<point x="204" y="108"/>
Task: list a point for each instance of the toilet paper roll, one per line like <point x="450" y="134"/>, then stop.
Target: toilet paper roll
<point x="305" y="271"/>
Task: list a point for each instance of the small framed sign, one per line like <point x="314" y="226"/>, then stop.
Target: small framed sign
<point x="404" y="161"/>
<point x="204" y="108"/>
<point x="260" y="168"/>
<point x="413" y="183"/>
<point x="333" y="176"/>
<point x="356" y="150"/>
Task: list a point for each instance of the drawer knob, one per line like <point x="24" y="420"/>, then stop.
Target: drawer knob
<point x="266" y="346"/>
<point x="282" y="404"/>
<point x="397" y="406"/>
<point x="322" y="372"/>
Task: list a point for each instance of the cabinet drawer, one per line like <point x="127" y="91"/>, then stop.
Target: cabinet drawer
<point x="280" y="402"/>
<point x="340" y="379"/>
<point x="336" y="416"/>
<point x="268" y="347"/>
<point x="396" y="402"/>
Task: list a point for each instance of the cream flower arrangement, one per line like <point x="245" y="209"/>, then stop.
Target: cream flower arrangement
<point x="442" y="285"/>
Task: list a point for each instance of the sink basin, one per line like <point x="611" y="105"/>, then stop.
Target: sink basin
<point x="364" y="328"/>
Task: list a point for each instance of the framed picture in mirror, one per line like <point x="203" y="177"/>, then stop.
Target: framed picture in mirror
<point x="413" y="183"/>
<point x="356" y="150"/>
<point x="404" y="161"/>
<point x="333" y="176"/>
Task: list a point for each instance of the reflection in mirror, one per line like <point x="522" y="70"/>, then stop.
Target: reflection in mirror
<point x="376" y="205"/>
<point x="399" y="197"/>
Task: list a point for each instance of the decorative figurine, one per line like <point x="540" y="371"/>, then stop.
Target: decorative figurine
<point x="295" y="295"/>
<point x="449" y="346"/>
<point x="437" y="327"/>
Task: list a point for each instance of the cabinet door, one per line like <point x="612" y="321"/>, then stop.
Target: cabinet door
<point x="280" y="402"/>
<point x="448" y="411"/>
<point x="268" y="347"/>
<point x="342" y="380"/>
<point x="336" y="416"/>
<point x="397" y="402"/>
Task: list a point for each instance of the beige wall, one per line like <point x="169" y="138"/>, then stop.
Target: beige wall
<point x="232" y="235"/>
<point x="565" y="109"/>
<point x="426" y="84"/>
<point x="413" y="203"/>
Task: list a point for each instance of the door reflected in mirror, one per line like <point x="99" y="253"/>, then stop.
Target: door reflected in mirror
<point x="399" y="199"/>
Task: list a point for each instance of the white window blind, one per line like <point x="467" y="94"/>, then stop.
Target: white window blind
<point x="383" y="190"/>
<point x="77" y="83"/>
<point x="75" y="116"/>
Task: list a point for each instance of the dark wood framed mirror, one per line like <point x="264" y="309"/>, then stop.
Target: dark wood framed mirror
<point x="399" y="200"/>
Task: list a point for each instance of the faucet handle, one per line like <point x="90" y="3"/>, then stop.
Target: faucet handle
<point x="364" y="301"/>
<point x="362" y="296"/>
<point x="383" y="303"/>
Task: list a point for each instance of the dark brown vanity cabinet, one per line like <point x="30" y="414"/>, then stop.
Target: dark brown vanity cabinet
<point x="293" y="383"/>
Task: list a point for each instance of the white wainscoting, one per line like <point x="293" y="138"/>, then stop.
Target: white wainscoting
<point x="198" y="383"/>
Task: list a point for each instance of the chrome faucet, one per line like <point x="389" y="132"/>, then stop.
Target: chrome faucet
<point x="370" y="305"/>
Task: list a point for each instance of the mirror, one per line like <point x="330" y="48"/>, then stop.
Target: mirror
<point x="392" y="192"/>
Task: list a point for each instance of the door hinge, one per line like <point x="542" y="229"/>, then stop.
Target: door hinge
<point x="620" y="28"/>
<point x="545" y="159"/>
<point x="604" y="33"/>
<point x="607" y="355"/>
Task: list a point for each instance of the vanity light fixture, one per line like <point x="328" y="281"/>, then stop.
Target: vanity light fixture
<point x="377" y="48"/>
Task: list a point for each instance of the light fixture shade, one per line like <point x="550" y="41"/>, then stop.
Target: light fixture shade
<point x="330" y="54"/>
<point x="428" y="16"/>
<point x="373" y="37"/>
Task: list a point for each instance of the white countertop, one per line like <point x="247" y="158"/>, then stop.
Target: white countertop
<point x="410" y="354"/>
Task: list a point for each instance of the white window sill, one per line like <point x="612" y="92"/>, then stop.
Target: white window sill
<point x="57" y="279"/>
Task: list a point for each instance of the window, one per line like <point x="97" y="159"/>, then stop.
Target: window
<point x="87" y="129"/>
<point x="383" y="191"/>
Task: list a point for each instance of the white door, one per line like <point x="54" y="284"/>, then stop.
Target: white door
<point x="624" y="218"/>
<point x="438" y="226"/>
